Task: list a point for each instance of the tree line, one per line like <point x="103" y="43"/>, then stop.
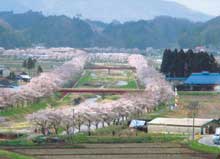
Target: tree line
<point x="30" y="64"/>
<point x="180" y="63"/>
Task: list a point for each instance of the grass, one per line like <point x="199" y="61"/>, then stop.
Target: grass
<point x="131" y="85"/>
<point x="84" y="79"/>
<point x="122" y="134"/>
<point x="17" y="142"/>
<point x="161" y="111"/>
<point x="108" y="130"/>
<point x="111" y="97"/>
<point x="20" y="112"/>
<point x="198" y="93"/>
<point x="144" y="138"/>
<point x="12" y="155"/>
<point x="194" y="145"/>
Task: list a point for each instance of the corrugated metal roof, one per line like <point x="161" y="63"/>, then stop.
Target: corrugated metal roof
<point x="179" y="121"/>
<point x="204" y="78"/>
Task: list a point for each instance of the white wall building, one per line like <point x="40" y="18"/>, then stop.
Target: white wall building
<point x="182" y="125"/>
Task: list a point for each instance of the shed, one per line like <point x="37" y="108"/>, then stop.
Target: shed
<point x="182" y="125"/>
<point x="137" y="123"/>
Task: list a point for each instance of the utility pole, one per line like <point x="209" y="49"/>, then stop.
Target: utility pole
<point x="193" y="133"/>
<point x="193" y="108"/>
<point x="176" y="97"/>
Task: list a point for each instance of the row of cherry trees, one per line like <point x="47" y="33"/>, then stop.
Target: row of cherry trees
<point x="109" y="57"/>
<point x="92" y="116"/>
<point x="150" y="78"/>
<point x="88" y="117"/>
<point x="43" y="53"/>
<point x="44" y="85"/>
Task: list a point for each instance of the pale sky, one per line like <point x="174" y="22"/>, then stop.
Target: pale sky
<point x="211" y="7"/>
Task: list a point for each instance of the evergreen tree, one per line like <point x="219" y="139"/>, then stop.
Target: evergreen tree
<point x="39" y="70"/>
<point x="182" y="64"/>
<point x="12" y="76"/>
<point x="24" y="64"/>
<point x="29" y="64"/>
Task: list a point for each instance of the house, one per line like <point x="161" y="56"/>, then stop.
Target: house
<point x="203" y="81"/>
<point x="182" y="125"/>
<point x="4" y="72"/>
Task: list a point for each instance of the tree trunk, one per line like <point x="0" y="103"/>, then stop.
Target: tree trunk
<point x="43" y="131"/>
<point x="79" y="126"/>
<point x="67" y="130"/>
<point x="56" y="130"/>
<point x="96" y="125"/>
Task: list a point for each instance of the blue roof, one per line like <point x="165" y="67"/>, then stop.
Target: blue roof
<point x="204" y="78"/>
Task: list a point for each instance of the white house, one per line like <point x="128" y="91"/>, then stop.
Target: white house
<point x="4" y="72"/>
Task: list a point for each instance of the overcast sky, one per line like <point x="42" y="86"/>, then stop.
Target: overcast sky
<point x="211" y="7"/>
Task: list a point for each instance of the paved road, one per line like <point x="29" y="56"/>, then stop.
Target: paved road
<point x="207" y="140"/>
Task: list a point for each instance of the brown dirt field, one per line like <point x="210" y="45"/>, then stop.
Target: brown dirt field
<point x="116" y="151"/>
<point x="209" y="106"/>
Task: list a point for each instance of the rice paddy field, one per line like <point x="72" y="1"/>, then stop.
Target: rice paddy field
<point x="115" y="151"/>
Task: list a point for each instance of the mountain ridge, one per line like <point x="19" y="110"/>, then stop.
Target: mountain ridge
<point x="107" y="11"/>
<point x="33" y="28"/>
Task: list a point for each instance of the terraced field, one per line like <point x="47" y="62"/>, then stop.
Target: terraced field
<point x="116" y="151"/>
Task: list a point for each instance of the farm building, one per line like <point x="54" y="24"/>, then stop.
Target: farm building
<point x="23" y="77"/>
<point x="182" y="125"/>
<point x="4" y="72"/>
<point x="203" y="81"/>
<point x="138" y="124"/>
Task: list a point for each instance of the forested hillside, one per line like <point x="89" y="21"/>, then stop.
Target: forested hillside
<point x="33" y="28"/>
<point x="10" y="38"/>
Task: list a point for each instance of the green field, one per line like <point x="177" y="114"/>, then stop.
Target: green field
<point x="11" y="155"/>
<point x="101" y="79"/>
